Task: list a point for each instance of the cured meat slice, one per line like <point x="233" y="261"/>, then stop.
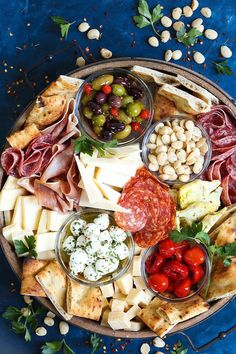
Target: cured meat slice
<point x="146" y="238"/>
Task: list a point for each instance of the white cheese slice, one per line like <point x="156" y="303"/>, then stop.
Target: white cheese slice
<point x="20" y="235"/>
<point x="135" y="296"/>
<point x="45" y="242"/>
<point x="105" y="318"/>
<point x="8" y="216"/>
<point x="55" y="220"/>
<point x="118" y="320"/>
<point x="8" y="198"/>
<point x="133" y="311"/>
<point x="93" y="192"/>
<point x="124" y="151"/>
<point x="31" y="211"/>
<point x="101" y="204"/>
<point x="137" y="266"/>
<point x="140" y="283"/>
<point x="46" y="255"/>
<point x="125" y="283"/>
<point x="107" y="290"/>
<point x="90" y="170"/>
<point x="11" y="183"/>
<point x="111" y="178"/>
<point x="118" y="305"/>
<point x="42" y="227"/>
<point x="8" y="230"/>
<point x="17" y="217"/>
<point x="108" y="192"/>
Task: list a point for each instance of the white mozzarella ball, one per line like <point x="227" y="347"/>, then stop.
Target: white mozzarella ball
<point x="78" y="261"/>
<point x="93" y="244"/>
<point x="91" y="259"/>
<point x="102" y="221"/>
<point x="104" y="250"/>
<point x="91" y="274"/>
<point x="77" y="226"/>
<point x="81" y="241"/>
<point x="117" y="234"/>
<point x="105" y="237"/>
<point x="121" y="250"/>
<point x="69" y="245"/>
<point x="91" y="230"/>
<point x="106" y="265"/>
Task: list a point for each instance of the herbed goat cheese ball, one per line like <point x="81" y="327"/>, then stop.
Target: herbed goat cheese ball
<point x="96" y="248"/>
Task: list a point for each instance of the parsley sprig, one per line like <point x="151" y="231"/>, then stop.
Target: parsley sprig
<point x="95" y="342"/>
<point x="55" y="347"/>
<point x="29" y="246"/>
<point x="223" y="68"/>
<point x="64" y="25"/>
<point x="23" y="321"/>
<point x="188" y="38"/>
<point x="146" y="17"/>
<point x="87" y="145"/>
<point x="179" y="349"/>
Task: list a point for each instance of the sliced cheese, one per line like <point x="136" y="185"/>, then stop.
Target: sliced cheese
<point x="46" y="255"/>
<point x="135" y="296"/>
<point x="133" y="312"/>
<point x="125" y="283"/>
<point x="107" y="290"/>
<point x="20" y="236"/>
<point x="8" y="198"/>
<point x="137" y="266"/>
<point x="101" y="204"/>
<point x="31" y="212"/>
<point x="7" y="217"/>
<point x="11" y="183"/>
<point x="118" y="320"/>
<point x="42" y="227"/>
<point x="111" y="178"/>
<point x="108" y="192"/>
<point x="90" y="170"/>
<point x="93" y="192"/>
<point x="118" y="305"/>
<point x="55" y="220"/>
<point x="45" y="242"/>
<point x="124" y="151"/>
<point x="17" y="217"/>
<point x="8" y="230"/>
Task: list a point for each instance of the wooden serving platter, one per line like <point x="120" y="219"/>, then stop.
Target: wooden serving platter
<point x="16" y="263"/>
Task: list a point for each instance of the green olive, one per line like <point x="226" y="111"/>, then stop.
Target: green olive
<point x="106" y="79"/>
<point x="122" y="116"/>
<point x="118" y="90"/>
<point x="99" y="120"/>
<point x="141" y="104"/>
<point x="87" y="112"/>
<point x="126" y="100"/>
<point x="133" y="109"/>
<point x="85" y="100"/>
<point x="124" y="133"/>
<point x="97" y="129"/>
<point x="105" y="107"/>
<point x="138" y="120"/>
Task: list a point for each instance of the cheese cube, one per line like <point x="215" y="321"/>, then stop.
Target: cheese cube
<point x="107" y="290"/>
<point x="125" y="283"/>
<point x="8" y="198"/>
<point x="111" y="178"/>
<point x="46" y="255"/>
<point x="42" y="227"/>
<point x="11" y="183"/>
<point x="31" y="211"/>
<point x="105" y="303"/>
<point x="105" y="318"/>
<point x="135" y="326"/>
<point x="137" y="250"/>
<point x="17" y="217"/>
<point x="55" y="220"/>
<point x="118" y="305"/>
<point x="135" y="296"/>
<point x="140" y="283"/>
<point x="133" y="311"/>
<point x="118" y="320"/>
<point x="149" y="292"/>
<point x="137" y="266"/>
<point x="146" y="299"/>
<point x="8" y="230"/>
<point x="45" y="242"/>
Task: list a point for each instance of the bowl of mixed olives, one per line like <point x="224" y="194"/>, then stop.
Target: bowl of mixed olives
<point x="114" y="104"/>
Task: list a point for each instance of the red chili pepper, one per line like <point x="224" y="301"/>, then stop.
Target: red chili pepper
<point x="114" y="111"/>
<point x="180" y="249"/>
<point x="145" y="114"/>
<point x="136" y="126"/>
<point x="194" y="256"/>
<point x="183" y="288"/>
<point x="106" y="89"/>
<point x="175" y="270"/>
<point x="158" y="282"/>
<point x="154" y="262"/>
<point x="167" y="248"/>
<point x="88" y="89"/>
<point x="196" y="274"/>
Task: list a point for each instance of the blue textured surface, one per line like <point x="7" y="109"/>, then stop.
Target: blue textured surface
<point x="27" y="35"/>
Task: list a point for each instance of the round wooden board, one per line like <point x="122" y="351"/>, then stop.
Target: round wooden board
<point x="169" y="68"/>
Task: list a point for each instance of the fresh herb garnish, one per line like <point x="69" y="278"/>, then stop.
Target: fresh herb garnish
<point x="86" y="145"/>
<point x="55" y="347"/>
<point x="23" y="320"/>
<point x="223" y="68"/>
<point x="179" y="349"/>
<point x="64" y="25"/>
<point x="146" y="18"/>
<point x="28" y="246"/>
<point x="95" y="342"/>
<point x="188" y="38"/>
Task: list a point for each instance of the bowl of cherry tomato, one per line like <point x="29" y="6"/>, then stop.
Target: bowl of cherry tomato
<point x="114" y="104"/>
<point x="176" y="271"/>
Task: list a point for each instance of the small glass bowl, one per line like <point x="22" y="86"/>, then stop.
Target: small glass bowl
<point x="169" y="297"/>
<point x="83" y="122"/>
<point x="63" y="259"/>
<point x="145" y="150"/>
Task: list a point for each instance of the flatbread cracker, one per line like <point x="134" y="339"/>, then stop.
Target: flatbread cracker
<point x="183" y="100"/>
<point x="182" y="311"/>
<point x="29" y="285"/>
<point x="150" y="75"/>
<point x="163" y="107"/>
<point x="153" y="320"/>
<point x="223" y="280"/>
<point x="54" y="282"/>
<point x="64" y="86"/>
<point x="22" y="138"/>
<point x="226" y="232"/>
<point x="84" y="301"/>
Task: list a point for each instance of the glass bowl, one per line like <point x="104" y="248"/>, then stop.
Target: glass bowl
<point x="146" y="150"/>
<point x="169" y="297"/>
<point x="63" y="258"/>
<point x="86" y="127"/>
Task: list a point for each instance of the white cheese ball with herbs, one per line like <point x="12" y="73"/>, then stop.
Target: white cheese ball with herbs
<point x="117" y="234"/>
<point x="81" y="241"/>
<point x="91" y="230"/>
<point x="91" y="258"/>
<point x="77" y="226"/>
<point x="91" y="274"/>
<point x="104" y="250"/>
<point x="69" y="244"/>
<point x="105" y="237"/>
<point x="102" y="221"/>
<point x="120" y="250"/>
<point x="78" y="260"/>
<point x="92" y="245"/>
<point x="106" y="265"/>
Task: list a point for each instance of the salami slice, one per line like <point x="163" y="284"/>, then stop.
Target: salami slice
<point x="146" y="238"/>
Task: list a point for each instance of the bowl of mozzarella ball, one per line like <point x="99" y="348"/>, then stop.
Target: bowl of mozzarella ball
<point x="92" y="249"/>
<point x="176" y="149"/>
